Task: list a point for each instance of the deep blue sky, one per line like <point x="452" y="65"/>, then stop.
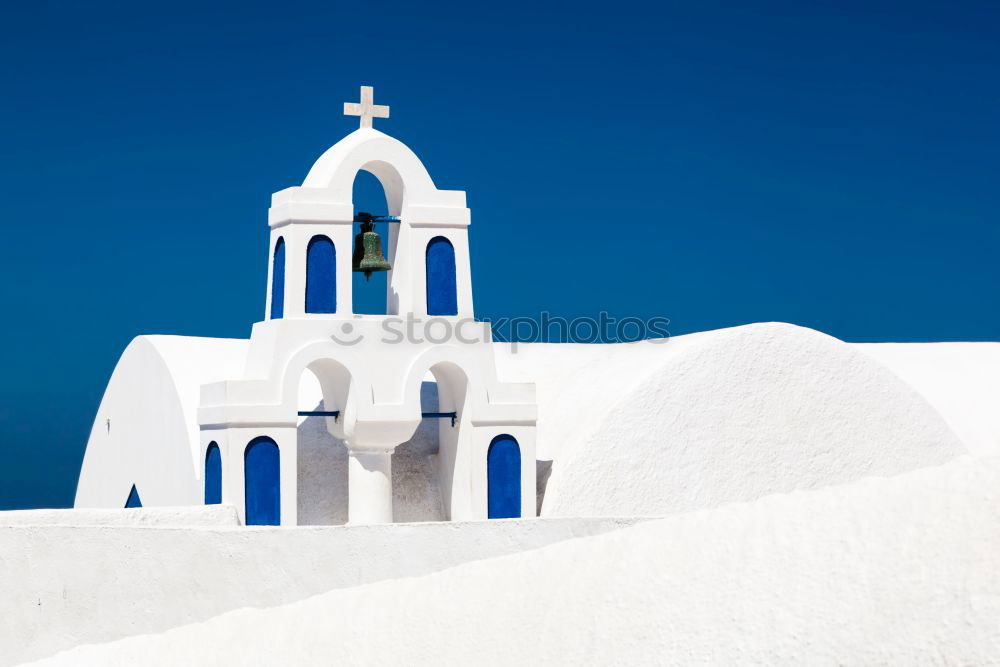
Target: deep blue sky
<point x="831" y="164"/>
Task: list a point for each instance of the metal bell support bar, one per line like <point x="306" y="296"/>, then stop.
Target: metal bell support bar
<point x="368" y="217"/>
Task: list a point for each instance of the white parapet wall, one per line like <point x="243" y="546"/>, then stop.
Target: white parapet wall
<point x="159" y="517"/>
<point x="65" y="585"/>
<point x="897" y="571"/>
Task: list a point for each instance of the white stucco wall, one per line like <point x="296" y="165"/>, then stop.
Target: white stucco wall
<point x="897" y="571"/>
<point x="577" y="385"/>
<point x="322" y="468"/>
<point x="737" y="414"/>
<point x="152" y="440"/>
<point x="198" y="515"/>
<point x="961" y="380"/>
<point x="68" y="585"/>
<point x="587" y="396"/>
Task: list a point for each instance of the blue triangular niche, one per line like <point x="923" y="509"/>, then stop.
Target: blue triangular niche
<point x="133" y="498"/>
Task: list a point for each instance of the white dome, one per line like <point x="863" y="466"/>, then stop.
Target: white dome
<point x="736" y="414"/>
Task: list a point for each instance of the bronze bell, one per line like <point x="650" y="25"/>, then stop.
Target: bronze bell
<point x="368" y="255"/>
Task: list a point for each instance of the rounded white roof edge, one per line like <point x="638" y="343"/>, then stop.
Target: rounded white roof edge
<point x="389" y="159"/>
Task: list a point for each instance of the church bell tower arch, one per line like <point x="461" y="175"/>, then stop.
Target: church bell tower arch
<point x="419" y="213"/>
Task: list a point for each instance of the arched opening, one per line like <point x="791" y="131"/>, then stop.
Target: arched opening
<point x="278" y="280"/>
<point x="424" y="468"/>
<point x="262" y="478"/>
<point x="417" y="475"/>
<point x="503" y="475"/>
<point x="322" y="398"/>
<point x="133" y="499"/>
<point x="442" y="295"/>
<point x="321" y="276"/>
<point x="369" y="296"/>
<point x="213" y="475"/>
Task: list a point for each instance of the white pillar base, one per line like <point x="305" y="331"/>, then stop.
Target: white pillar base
<point x="369" y="487"/>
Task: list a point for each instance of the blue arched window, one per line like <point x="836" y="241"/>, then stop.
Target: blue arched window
<point x="133" y="498"/>
<point x="262" y="479"/>
<point x="321" y="276"/>
<point x="503" y="478"/>
<point x="213" y="475"/>
<point x="442" y="297"/>
<point x="278" y="281"/>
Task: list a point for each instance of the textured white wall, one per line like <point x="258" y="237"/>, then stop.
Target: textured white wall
<point x="68" y="585"/>
<point x="577" y="384"/>
<point x="198" y="515"/>
<point x="153" y="440"/>
<point x="898" y="571"/>
<point x="322" y="463"/>
<point x="699" y="393"/>
<point x="582" y="392"/>
<point x="961" y="380"/>
<point x="737" y="414"/>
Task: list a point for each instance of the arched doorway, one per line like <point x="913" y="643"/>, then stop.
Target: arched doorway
<point x="278" y="280"/>
<point x="503" y="475"/>
<point x="321" y="276"/>
<point x="442" y="296"/>
<point x="213" y="475"/>
<point x="262" y="475"/>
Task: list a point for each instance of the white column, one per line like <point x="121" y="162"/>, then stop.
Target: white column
<point x="342" y="235"/>
<point x="369" y="487"/>
<point x="288" y="448"/>
<point x="296" y="239"/>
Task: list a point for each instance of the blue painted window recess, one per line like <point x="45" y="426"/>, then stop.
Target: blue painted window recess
<point x="278" y="281"/>
<point x="503" y="478"/>
<point x="133" y="498"/>
<point x="321" y="276"/>
<point x="213" y="475"/>
<point x="262" y="469"/>
<point x="442" y="296"/>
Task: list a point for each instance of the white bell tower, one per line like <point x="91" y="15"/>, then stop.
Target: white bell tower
<point x="369" y="373"/>
<point x="323" y="206"/>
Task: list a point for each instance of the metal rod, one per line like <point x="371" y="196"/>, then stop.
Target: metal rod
<point x="320" y="413"/>
<point x="368" y="217"/>
<point x="441" y="415"/>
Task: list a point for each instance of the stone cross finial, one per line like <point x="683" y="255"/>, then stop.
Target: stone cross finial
<point x="366" y="108"/>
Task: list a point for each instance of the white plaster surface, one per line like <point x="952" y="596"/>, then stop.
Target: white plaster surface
<point x="152" y="440"/>
<point x="194" y="516"/>
<point x="768" y="398"/>
<point x="961" y="380"/>
<point x="63" y="586"/>
<point x="882" y="571"/>
<point x="577" y="385"/>
<point x="323" y="476"/>
<point x="737" y="414"/>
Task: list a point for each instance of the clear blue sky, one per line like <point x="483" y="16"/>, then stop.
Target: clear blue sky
<point x="831" y="164"/>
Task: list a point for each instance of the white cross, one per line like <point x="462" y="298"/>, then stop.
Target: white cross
<point x="367" y="109"/>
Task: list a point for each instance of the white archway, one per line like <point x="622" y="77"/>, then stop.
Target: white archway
<point x="398" y="169"/>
